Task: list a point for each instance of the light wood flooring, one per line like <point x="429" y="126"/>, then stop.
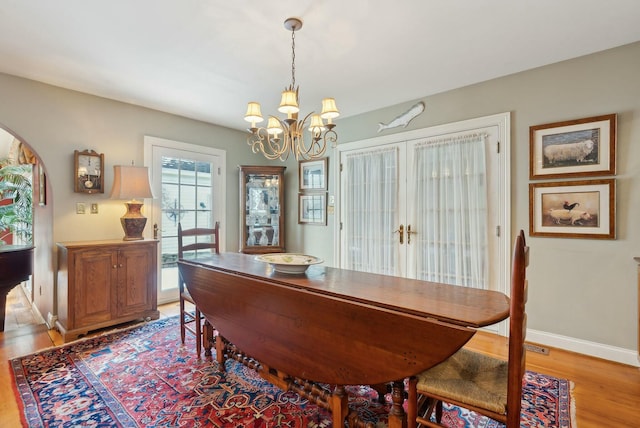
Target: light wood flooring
<point x="606" y="394"/>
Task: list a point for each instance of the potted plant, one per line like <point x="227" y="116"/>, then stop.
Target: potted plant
<point x="16" y="217"/>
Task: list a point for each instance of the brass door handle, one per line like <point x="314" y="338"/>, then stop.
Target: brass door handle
<point x="401" y="232"/>
<point x="409" y="232"/>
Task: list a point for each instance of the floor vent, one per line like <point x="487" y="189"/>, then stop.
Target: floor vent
<point x="536" y="348"/>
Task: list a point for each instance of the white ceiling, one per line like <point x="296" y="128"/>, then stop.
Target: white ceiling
<point x="205" y="59"/>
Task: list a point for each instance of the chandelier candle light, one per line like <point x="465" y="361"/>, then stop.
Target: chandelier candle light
<point x="269" y="140"/>
<point x="132" y="182"/>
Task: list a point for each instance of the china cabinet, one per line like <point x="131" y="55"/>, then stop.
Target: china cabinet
<point x="262" y="209"/>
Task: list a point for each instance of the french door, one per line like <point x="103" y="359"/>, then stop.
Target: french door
<point x="430" y="204"/>
<point x="187" y="182"/>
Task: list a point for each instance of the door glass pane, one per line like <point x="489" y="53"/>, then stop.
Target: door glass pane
<point x="450" y="210"/>
<point x="187" y="199"/>
<point x="371" y="211"/>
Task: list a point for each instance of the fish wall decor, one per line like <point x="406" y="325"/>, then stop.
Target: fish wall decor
<point x="404" y="119"/>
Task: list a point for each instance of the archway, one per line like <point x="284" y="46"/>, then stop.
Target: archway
<point x="31" y="226"/>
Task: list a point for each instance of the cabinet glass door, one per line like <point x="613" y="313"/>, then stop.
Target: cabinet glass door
<point x="261" y="205"/>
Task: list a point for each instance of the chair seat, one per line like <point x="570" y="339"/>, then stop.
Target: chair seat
<point x="470" y="378"/>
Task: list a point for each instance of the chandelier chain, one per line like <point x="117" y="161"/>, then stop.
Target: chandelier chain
<point x="293" y="58"/>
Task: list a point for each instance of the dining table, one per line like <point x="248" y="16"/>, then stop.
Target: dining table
<point x="337" y="327"/>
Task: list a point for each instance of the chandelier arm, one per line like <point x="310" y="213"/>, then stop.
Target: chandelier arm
<point x="261" y="142"/>
<point x="301" y="150"/>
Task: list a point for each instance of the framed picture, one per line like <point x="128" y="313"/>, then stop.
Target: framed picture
<point x="573" y="209"/>
<point x="575" y="148"/>
<point x="42" y="186"/>
<point x="312" y="208"/>
<point x="313" y="174"/>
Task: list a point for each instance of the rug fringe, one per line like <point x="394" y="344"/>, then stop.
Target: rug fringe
<point x="572" y="405"/>
<point x="16" y="393"/>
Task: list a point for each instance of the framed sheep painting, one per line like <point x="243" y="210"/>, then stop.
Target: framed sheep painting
<point x="574" y="148"/>
<point x="573" y="209"/>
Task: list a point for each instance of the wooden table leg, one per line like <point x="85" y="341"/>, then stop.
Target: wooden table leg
<point x="339" y="406"/>
<point x="397" y="416"/>
<point x="220" y="352"/>
<point x="207" y="338"/>
<point x="3" y="307"/>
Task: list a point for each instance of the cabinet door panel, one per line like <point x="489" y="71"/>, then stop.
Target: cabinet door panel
<point x="136" y="273"/>
<point x="94" y="274"/>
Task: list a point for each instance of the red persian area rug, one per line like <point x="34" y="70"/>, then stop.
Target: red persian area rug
<point x="144" y="377"/>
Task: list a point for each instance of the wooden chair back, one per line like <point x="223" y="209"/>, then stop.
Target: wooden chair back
<point x="458" y="381"/>
<point x="199" y="239"/>
<point x="209" y="239"/>
<point x="517" y="330"/>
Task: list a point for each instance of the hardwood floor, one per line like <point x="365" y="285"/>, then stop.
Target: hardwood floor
<point x="606" y="394"/>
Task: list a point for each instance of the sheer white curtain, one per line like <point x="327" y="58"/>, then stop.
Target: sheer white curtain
<point x="370" y="211"/>
<point x="450" y="211"/>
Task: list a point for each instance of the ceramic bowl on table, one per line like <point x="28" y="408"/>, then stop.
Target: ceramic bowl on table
<point x="291" y="263"/>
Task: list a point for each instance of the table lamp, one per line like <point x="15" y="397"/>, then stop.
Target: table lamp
<point x="131" y="183"/>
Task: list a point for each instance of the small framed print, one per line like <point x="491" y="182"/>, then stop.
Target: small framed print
<point x="313" y="174"/>
<point x="312" y="208"/>
<point x="575" y="148"/>
<point x="573" y="209"/>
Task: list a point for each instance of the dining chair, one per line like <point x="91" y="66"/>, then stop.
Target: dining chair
<point x="191" y="243"/>
<point x="478" y="382"/>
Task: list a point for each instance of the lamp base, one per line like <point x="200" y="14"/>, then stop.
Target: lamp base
<point x="133" y="222"/>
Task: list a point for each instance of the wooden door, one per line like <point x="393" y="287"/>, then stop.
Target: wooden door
<point x="380" y="199"/>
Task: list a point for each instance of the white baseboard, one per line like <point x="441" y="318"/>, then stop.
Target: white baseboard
<point x="599" y="350"/>
<point x="51" y="320"/>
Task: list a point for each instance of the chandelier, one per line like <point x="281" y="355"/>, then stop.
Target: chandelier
<point x="282" y="137"/>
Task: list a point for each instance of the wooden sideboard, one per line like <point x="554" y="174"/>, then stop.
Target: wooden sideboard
<point x="104" y="283"/>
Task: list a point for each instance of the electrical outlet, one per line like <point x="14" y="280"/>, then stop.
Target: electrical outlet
<point x="536" y="348"/>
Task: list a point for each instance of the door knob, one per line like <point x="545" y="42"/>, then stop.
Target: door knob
<point x="401" y="232"/>
<point x="409" y="232"/>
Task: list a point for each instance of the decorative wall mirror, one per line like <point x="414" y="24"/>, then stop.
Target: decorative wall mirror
<point x="88" y="172"/>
